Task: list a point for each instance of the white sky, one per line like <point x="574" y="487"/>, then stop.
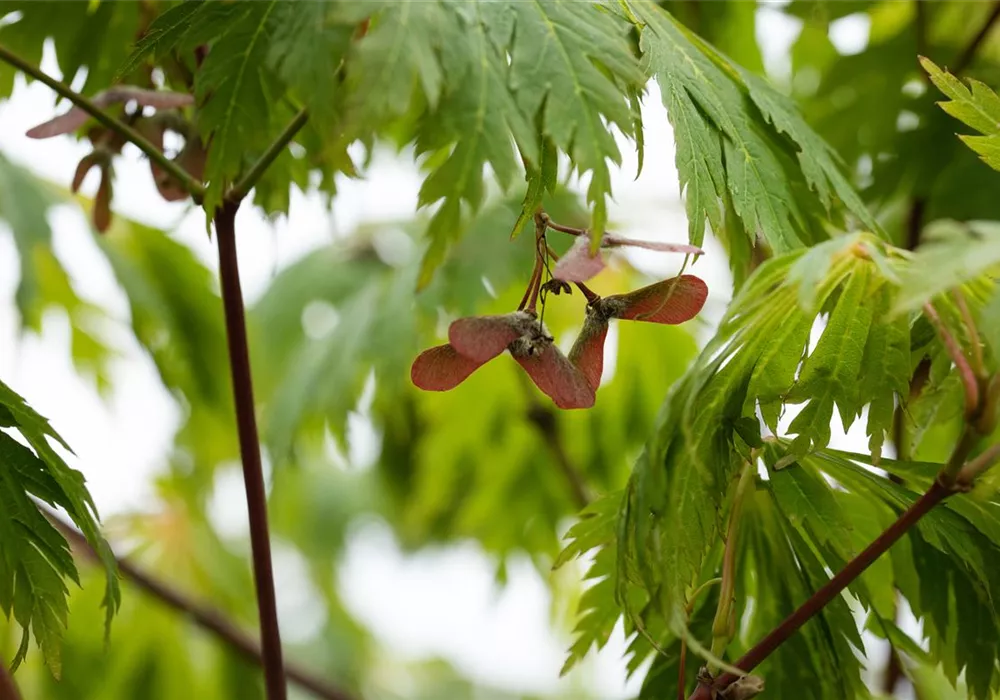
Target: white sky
<point x="442" y="602"/>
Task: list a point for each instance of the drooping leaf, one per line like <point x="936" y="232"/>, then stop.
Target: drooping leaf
<point x="951" y="254"/>
<point x="732" y="133"/>
<point x="571" y="61"/>
<point x="35" y="558"/>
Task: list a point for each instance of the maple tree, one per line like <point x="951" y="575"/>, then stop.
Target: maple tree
<point x="742" y="552"/>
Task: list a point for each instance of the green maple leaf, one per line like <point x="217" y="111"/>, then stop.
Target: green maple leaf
<point x="234" y="93"/>
<point x="977" y="106"/>
<point x="830" y="373"/>
<point x="572" y="63"/>
<point x="759" y="186"/>
<point x="35" y="558"/>
<point x="474" y="121"/>
<point x="399" y="53"/>
<point x="307" y="49"/>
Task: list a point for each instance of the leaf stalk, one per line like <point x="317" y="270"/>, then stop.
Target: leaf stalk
<point x="242" y="188"/>
<point x="722" y="626"/>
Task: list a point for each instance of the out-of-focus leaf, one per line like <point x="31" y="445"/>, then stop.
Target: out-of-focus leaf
<point x="176" y="316"/>
<point x="24" y="206"/>
<point x="952" y="254"/>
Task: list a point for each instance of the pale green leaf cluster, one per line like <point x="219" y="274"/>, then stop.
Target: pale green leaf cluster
<point x="35" y="560"/>
<point x="814" y="328"/>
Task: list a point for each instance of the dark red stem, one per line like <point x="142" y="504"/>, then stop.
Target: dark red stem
<point x="682" y="668"/>
<point x="963" y="61"/>
<point x="834" y="587"/>
<point x="530" y="294"/>
<point x="253" y="474"/>
<point x="204" y="616"/>
<point x="8" y="691"/>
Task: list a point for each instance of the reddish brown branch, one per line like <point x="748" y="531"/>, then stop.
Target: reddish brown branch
<point x="834" y="587"/>
<point x="968" y="377"/>
<point x="545" y="421"/>
<point x="8" y="691"/>
<point x="967" y="55"/>
<point x="253" y="474"/>
<point x="206" y="617"/>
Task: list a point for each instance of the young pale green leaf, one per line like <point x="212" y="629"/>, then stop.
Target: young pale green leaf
<point x="597" y="526"/>
<point x="977" y="106"/>
<point x="989" y="323"/>
<point x="830" y="374"/>
<point x="885" y="372"/>
<point x="598" y="611"/>
<point x="951" y="254"/>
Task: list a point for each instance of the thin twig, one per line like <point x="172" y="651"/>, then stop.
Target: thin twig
<point x="545" y="420"/>
<point x="253" y="474"/>
<point x="190" y="184"/>
<point x="970" y="326"/>
<point x="971" y="471"/>
<point x="204" y="616"/>
<point x="968" y="377"/>
<point x="246" y="183"/>
<point x="944" y="485"/>
<point x="967" y="55"/>
<point x="8" y="690"/>
<point x="834" y="587"/>
<point x="723" y="615"/>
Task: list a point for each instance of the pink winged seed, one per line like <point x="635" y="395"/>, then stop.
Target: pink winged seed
<point x="588" y="350"/>
<point x="441" y="368"/>
<point x="76" y="117"/>
<point x="558" y="378"/>
<point x="482" y="338"/>
<point x="671" y="301"/>
<point x="612" y="241"/>
<point x="578" y="265"/>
